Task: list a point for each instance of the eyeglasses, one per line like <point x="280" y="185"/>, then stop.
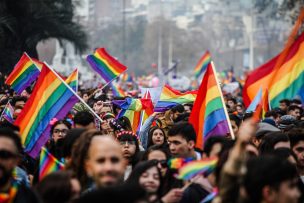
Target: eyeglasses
<point x="127" y="142"/>
<point x="4" y="154"/>
<point x="63" y="131"/>
<point x="163" y="163"/>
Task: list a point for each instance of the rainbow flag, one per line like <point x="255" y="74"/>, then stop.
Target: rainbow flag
<point x="8" y="113"/>
<point x="202" y="65"/>
<point x="176" y="163"/>
<point x="24" y="73"/>
<point x="125" y="77"/>
<point x="133" y="108"/>
<point x="117" y="91"/>
<point x="105" y="65"/>
<point x="51" y="98"/>
<point x="170" y="97"/>
<point x="208" y="114"/>
<point x="48" y="163"/>
<point x="72" y="80"/>
<point x="193" y="168"/>
<point x="286" y="81"/>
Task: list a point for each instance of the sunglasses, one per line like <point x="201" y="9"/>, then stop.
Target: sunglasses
<point x="4" y="154"/>
<point x="163" y="163"/>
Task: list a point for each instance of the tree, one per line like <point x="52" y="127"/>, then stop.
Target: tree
<point x="287" y="9"/>
<point x="25" y="23"/>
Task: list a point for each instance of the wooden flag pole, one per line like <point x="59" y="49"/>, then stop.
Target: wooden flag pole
<point x="223" y="102"/>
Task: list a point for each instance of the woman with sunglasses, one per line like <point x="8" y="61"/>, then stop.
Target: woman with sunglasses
<point x="170" y="191"/>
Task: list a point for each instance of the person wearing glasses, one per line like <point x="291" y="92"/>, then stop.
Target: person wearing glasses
<point x="59" y="129"/>
<point x="10" y="155"/>
<point x="130" y="148"/>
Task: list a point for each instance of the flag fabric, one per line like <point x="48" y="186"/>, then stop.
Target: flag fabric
<point x="24" y="73"/>
<point x="193" y="168"/>
<point x="8" y="113"/>
<point x="51" y="98"/>
<point x="117" y="91"/>
<point x="176" y="163"/>
<point x="132" y="109"/>
<point x="202" y="65"/>
<point x="125" y="77"/>
<point x="72" y="80"/>
<point x="262" y="106"/>
<point x="170" y="97"/>
<point x="255" y="102"/>
<point x="286" y="81"/>
<point x="208" y="115"/>
<point x="105" y="65"/>
<point x="48" y="163"/>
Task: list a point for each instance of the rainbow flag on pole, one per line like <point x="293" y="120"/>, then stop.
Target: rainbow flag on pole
<point x="170" y="97"/>
<point x="208" y="115"/>
<point x="202" y="64"/>
<point x="283" y="75"/>
<point x="24" y="73"/>
<point x="105" y="65"/>
<point x="8" y="113"/>
<point x="48" y="163"/>
<point x="51" y="98"/>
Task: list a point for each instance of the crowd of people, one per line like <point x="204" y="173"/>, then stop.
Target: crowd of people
<point x="108" y="162"/>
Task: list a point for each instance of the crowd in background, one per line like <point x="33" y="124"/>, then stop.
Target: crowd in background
<point x="108" y="162"/>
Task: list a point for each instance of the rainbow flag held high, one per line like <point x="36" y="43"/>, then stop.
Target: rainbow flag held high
<point x="133" y="108"/>
<point x="8" y="113"/>
<point x="284" y="81"/>
<point x="193" y="168"/>
<point x="170" y="97"/>
<point x="72" y="80"/>
<point x="117" y="91"/>
<point x="51" y="98"/>
<point x="105" y="65"/>
<point x="202" y="65"/>
<point x="25" y="72"/>
<point x="208" y="115"/>
<point x="48" y="163"/>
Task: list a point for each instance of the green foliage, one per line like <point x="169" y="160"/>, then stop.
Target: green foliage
<point x="25" y="23"/>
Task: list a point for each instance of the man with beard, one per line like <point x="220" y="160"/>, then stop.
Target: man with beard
<point x="10" y="152"/>
<point x="105" y="163"/>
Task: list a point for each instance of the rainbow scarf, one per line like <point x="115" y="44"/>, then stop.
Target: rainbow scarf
<point x="211" y="196"/>
<point x="193" y="168"/>
<point x="105" y="65"/>
<point x="10" y="196"/>
<point x="48" y="163"/>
